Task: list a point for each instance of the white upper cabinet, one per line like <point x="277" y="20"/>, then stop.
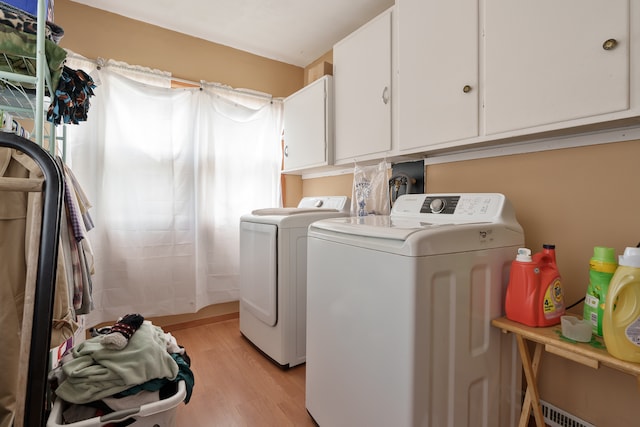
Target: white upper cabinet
<point x="549" y="61"/>
<point x="308" y="126"/>
<point x="438" y="89"/>
<point x="439" y="75"/>
<point x="363" y="92"/>
<point x="481" y="71"/>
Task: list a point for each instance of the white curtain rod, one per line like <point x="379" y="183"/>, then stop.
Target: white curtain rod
<point x="247" y="92"/>
<point x="101" y="62"/>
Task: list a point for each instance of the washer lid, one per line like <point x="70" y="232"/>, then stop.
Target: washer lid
<point x="289" y="211"/>
<point x="383" y="226"/>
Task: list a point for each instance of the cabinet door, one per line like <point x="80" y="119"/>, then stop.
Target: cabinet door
<point x="545" y="62"/>
<point x="362" y="78"/>
<point x="437" y="72"/>
<point x="307" y="126"/>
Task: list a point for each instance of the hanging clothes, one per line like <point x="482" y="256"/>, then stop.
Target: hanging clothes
<point x="77" y="248"/>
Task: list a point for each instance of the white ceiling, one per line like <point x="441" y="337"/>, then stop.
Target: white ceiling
<point x="292" y="31"/>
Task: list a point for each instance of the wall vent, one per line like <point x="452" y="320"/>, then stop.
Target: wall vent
<point x="556" y="417"/>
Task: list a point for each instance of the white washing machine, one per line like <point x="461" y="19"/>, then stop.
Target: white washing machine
<point x="399" y="310"/>
<point x="273" y="275"/>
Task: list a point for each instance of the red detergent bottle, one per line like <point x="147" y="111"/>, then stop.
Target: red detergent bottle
<point x="552" y="299"/>
<point x="534" y="294"/>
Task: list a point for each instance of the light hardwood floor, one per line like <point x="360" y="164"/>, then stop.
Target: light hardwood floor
<point x="235" y="385"/>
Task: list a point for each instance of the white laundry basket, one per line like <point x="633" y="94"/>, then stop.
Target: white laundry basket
<point x="156" y="414"/>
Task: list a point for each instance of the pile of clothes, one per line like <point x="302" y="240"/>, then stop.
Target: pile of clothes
<point x="128" y="365"/>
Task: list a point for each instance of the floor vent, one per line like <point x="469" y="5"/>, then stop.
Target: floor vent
<point x="556" y="417"/>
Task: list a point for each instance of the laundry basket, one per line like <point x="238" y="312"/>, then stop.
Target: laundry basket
<point x="157" y="414"/>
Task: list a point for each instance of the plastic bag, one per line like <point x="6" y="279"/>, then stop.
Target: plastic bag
<point x="370" y="190"/>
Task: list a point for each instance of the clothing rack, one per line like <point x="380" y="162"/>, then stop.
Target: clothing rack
<point x="36" y="323"/>
<point x="15" y="98"/>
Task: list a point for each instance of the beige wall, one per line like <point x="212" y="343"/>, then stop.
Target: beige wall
<point x="576" y="198"/>
<point x="94" y="33"/>
<point x="309" y="69"/>
<point x="339" y="185"/>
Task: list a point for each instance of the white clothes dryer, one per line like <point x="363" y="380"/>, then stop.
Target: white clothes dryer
<point x="399" y="310"/>
<point x="273" y="275"/>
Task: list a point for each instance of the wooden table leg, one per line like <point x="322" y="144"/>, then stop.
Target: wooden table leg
<point x="532" y="398"/>
<point x="537" y="354"/>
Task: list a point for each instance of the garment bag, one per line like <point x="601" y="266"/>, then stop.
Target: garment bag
<point x="31" y="393"/>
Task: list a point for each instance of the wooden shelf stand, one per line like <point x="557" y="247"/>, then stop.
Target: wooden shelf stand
<point x="550" y="339"/>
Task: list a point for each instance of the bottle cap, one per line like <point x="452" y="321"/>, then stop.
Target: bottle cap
<point x="600" y="253"/>
<point x="524" y="255"/>
<point x="631" y="257"/>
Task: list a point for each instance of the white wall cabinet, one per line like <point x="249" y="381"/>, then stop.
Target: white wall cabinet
<point x="482" y="71"/>
<point x="438" y="89"/>
<point x="363" y="92"/>
<point x="436" y="76"/>
<point x="308" y="126"/>
<point x="552" y="62"/>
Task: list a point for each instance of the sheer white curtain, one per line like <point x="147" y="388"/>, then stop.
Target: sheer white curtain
<point x="169" y="173"/>
<point x="237" y="169"/>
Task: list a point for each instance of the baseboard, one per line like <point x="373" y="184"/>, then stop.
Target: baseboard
<point x="200" y="322"/>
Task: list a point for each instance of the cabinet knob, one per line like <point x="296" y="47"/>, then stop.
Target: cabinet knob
<point x="385" y="95"/>
<point x="609" y="44"/>
<point x="466" y="89"/>
<point x="286" y="151"/>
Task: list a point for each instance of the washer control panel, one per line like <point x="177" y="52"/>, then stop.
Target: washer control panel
<point x="440" y="204"/>
<point x="451" y="207"/>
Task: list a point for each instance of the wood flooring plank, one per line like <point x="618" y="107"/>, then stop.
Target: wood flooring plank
<point x="235" y="385"/>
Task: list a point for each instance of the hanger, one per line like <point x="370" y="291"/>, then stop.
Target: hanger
<point x="29" y="184"/>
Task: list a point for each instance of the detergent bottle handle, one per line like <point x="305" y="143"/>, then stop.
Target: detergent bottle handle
<point x="626" y="311"/>
<point x="547" y="256"/>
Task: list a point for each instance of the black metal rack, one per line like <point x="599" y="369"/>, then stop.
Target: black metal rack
<point x="36" y="388"/>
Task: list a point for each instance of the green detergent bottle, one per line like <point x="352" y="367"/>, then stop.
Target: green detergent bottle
<point x="601" y="268"/>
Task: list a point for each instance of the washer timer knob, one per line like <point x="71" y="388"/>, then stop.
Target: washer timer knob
<point x="318" y="203"/>
<point x="437" y="205"/>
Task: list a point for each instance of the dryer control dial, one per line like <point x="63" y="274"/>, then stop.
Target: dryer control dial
<point x="437" y="205"/>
